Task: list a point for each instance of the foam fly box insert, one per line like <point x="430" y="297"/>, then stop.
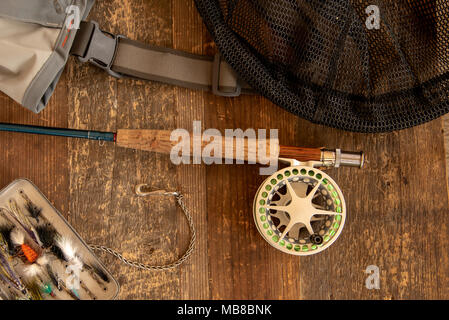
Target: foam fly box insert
<point x="41" y="256"/>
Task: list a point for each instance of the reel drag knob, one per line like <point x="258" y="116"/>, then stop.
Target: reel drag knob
<point x="299" y="210"/>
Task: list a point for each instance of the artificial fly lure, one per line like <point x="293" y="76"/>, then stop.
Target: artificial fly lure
<point x="46" y="235"/>
<point x="59" y="283"/>
<point x="30" y="254"/>
<point x="73" y="293"/>
<point x="9" y="238"/>
<point x="67" y="251"/>
<point x="23" y="220"/>
<point x="35" y="277"/>
<point x="9" y="276"/>
<point x="34" y="211"/>
<point x="53" y="277"/>
<point x="98" y="273"/>
<point x="35" y="291"/>
<point x="36" y="263"/>
<point x="37" y="270"/>
<point x="6" y="228"/>
<point x="87" y="290"/>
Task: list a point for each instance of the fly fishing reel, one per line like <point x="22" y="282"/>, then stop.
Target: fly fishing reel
<point x="300" y="209"/>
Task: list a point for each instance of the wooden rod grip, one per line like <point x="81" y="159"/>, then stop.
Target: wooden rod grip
<point x="300" y="154"/>
<point x="147" y="140"/>
<point x="260" y="150"/>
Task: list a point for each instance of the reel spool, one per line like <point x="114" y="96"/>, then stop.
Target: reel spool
<point x="299" y="210"/>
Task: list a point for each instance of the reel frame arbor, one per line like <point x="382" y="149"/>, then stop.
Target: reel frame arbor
<point x="300" y="210"/>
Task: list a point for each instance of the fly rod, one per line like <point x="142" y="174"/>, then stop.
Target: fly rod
<point x="299" y="209"/>
<point x="160" y="141"/>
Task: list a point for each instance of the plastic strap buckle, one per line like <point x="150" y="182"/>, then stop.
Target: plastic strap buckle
<point x="101" y="48"/>
<point x="216" y="81"/>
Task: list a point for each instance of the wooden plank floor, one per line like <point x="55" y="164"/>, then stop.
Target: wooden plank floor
<point x="397" y="205"/>
<point x="446" y="141"/>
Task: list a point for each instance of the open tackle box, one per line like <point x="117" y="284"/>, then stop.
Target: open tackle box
<point x="41" y="256"/>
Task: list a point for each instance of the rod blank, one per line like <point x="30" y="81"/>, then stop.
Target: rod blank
<point x="82" y="134"/>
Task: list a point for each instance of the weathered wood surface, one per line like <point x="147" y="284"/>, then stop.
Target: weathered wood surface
<point x="397" y="205"/>
<point x="446" y="141"/>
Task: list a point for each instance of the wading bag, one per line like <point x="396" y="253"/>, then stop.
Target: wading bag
<point x="366" y="66"/>
<point x="35" y="42"/>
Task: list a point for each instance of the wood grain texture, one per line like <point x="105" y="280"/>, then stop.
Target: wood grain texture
<point x="196" y="146"/>
<point x="390" y="218"/>
<point x="397" y="206"/>
<point x="299" y="153"/>
<point x="143" y="229"/>
<point x="242" y="264"/>
<point x="446" y="143"/>
<point x="188" y="35"/>
<point x="41" y="159"/>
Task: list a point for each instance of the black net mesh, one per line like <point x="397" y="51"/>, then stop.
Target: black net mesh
<point x="321" y="61"/>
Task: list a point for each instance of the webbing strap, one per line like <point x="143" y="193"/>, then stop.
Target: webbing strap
<point x="120" y="56"/>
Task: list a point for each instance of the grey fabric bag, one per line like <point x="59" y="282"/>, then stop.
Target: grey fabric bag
<point x="35" y="41"/>
<point x="37" y="37"/>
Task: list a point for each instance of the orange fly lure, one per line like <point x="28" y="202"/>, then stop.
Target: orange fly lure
<point x="29" y="253"/>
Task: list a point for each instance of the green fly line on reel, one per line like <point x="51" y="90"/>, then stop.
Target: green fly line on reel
<point x="299" y="210"/>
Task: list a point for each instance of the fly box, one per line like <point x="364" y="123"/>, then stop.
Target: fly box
<point x="41" y="256"/>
